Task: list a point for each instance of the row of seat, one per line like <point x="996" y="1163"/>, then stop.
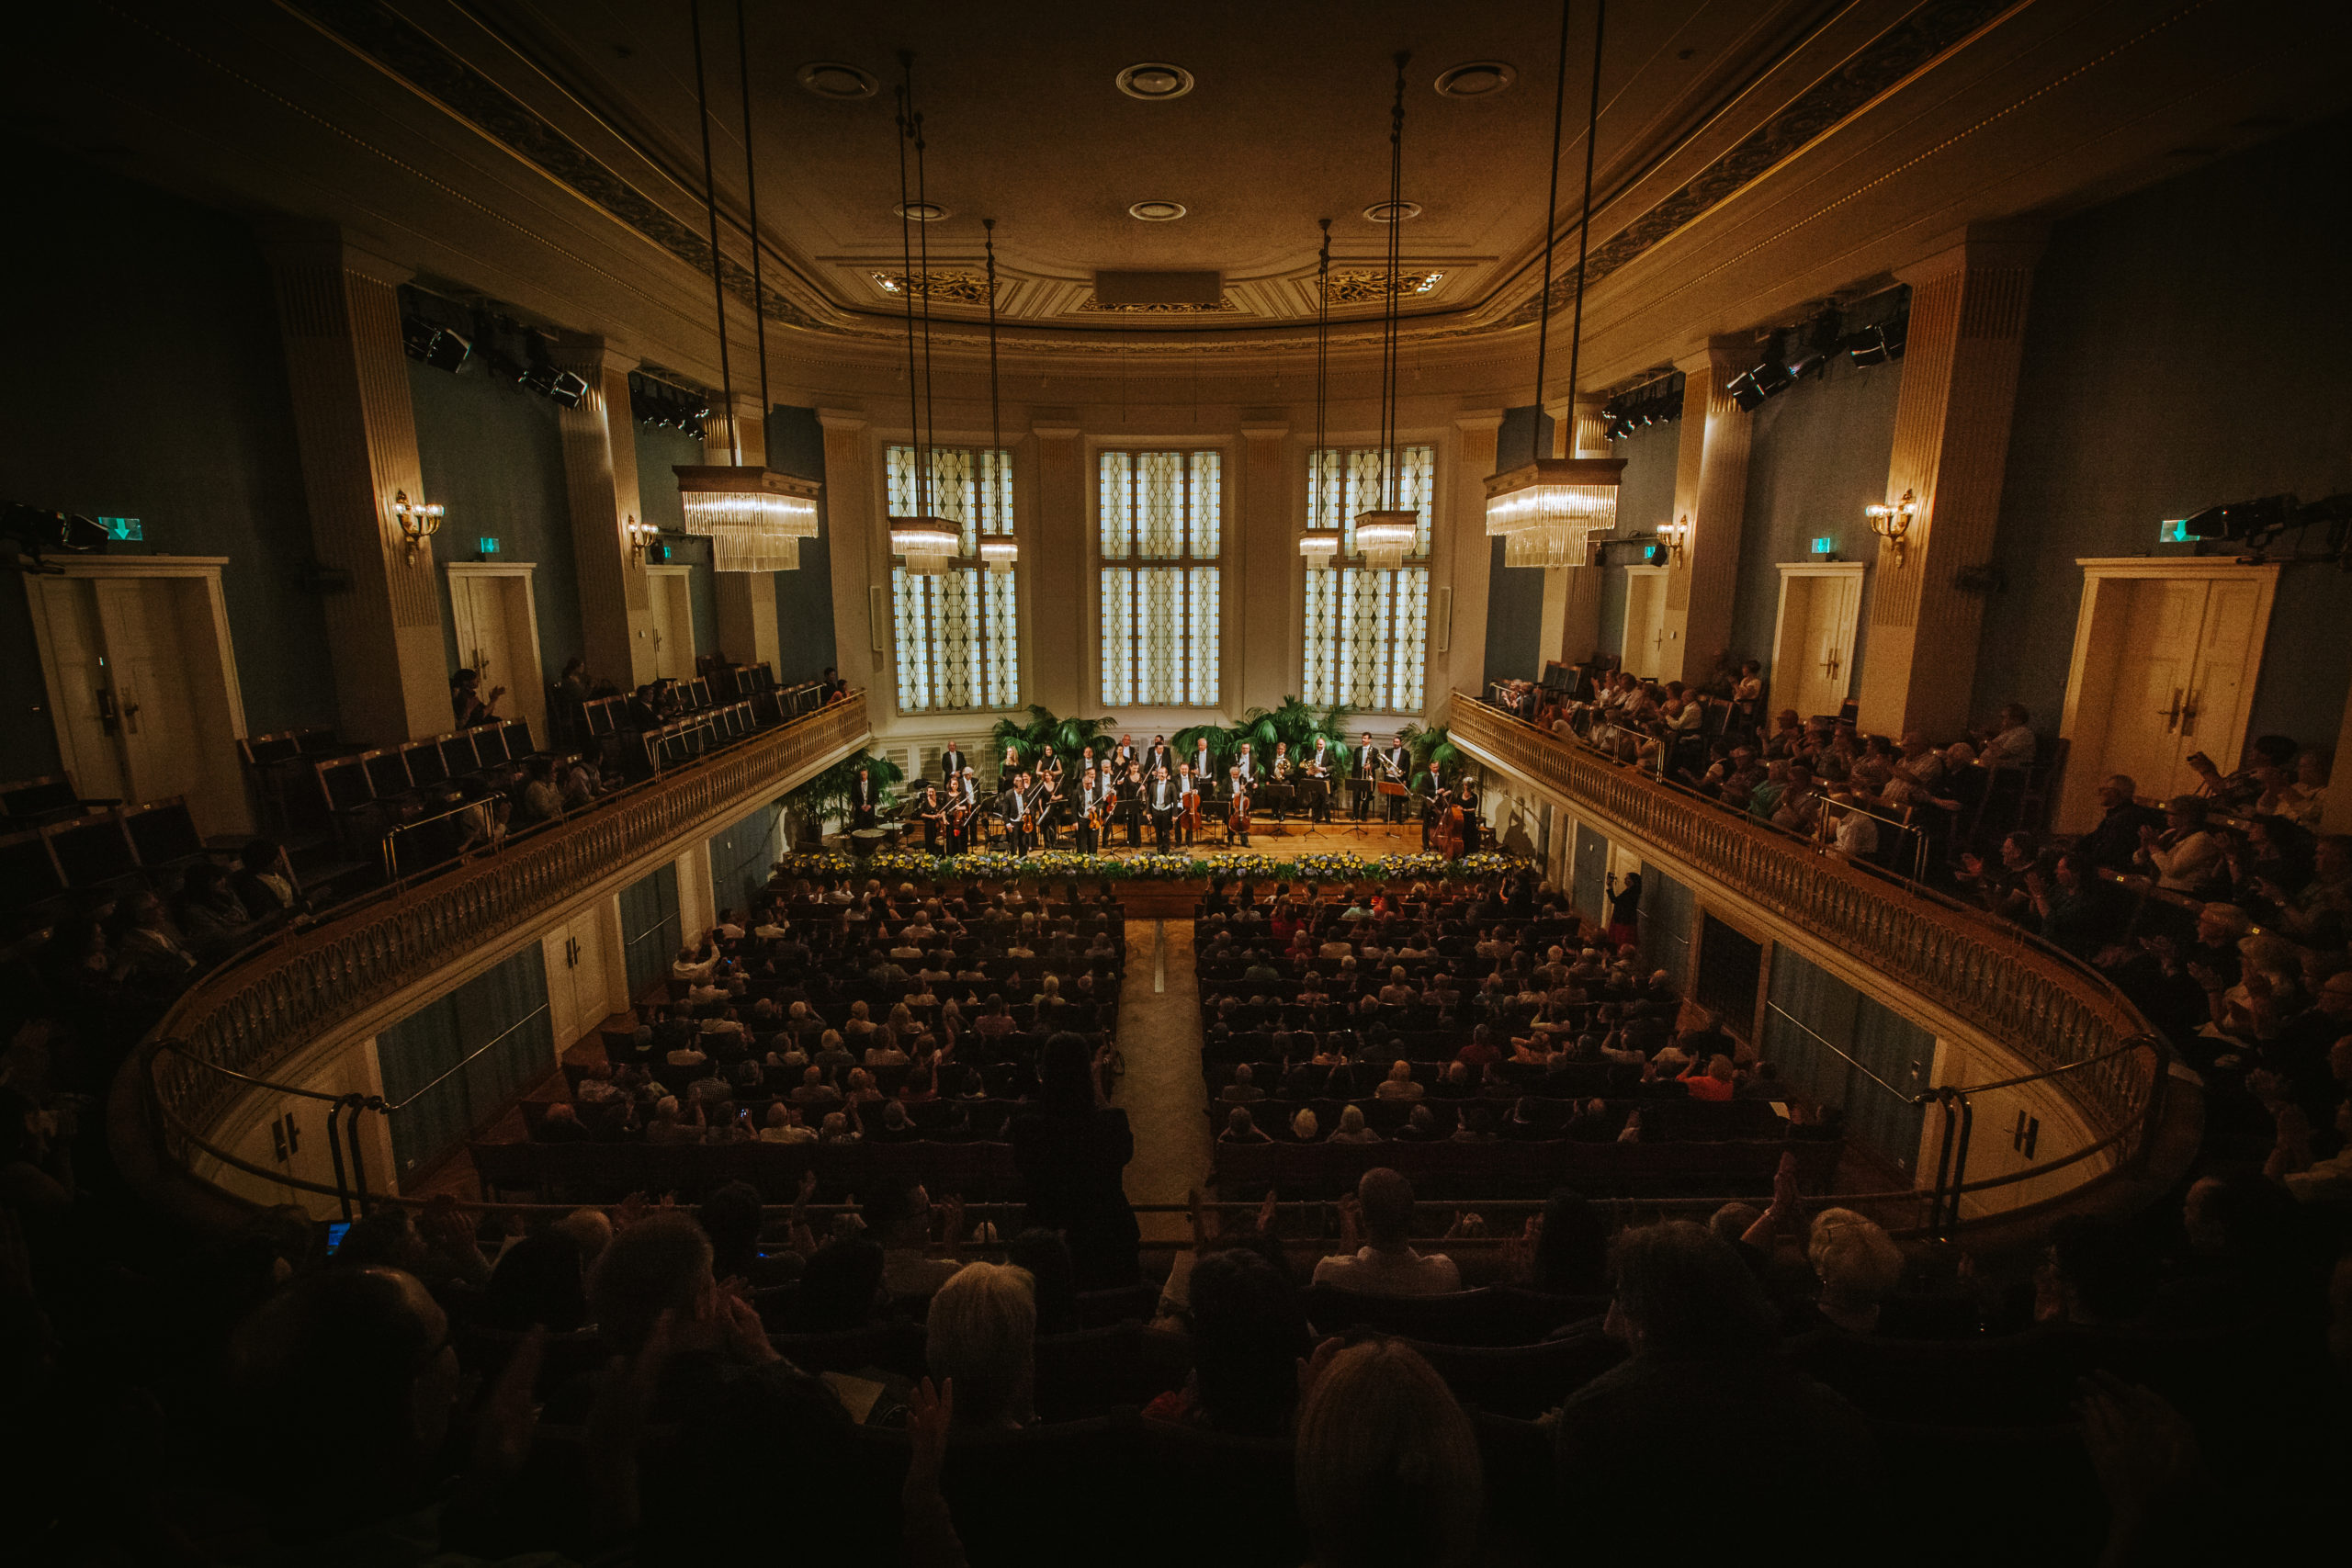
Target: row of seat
<point x="96" y="852"/>
<point x="1470" y="1171"/>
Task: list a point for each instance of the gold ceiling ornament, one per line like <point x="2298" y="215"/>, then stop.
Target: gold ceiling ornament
<point x="1549" y="510"/>
<point x="1092" y="306"/>
<point x="952" y="286"/>
<point x="1369" y="284"/>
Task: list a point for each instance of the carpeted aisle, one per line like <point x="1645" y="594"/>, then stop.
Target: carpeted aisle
<point x="1160" y="1039"/>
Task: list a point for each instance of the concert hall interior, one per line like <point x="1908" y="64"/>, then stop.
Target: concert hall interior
<point x="1206" y="784"/>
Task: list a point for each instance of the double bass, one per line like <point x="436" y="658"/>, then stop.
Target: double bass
<point x="1237" y="815"/>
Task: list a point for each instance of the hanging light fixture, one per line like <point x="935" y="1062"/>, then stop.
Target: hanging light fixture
<point x="754" y="517"/>
<point x="999" y="552"/>
<point x="1388" y="532"/>
<point x="1321" y="544"/>
<point x="925" y="541"/>
<point x="1565" y="501"/>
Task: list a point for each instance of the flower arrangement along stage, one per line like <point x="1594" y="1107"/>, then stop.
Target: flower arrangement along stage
<point x="1063" y="866"/>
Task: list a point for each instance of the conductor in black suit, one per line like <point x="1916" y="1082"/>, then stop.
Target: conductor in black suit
<point x="1162" y="802"/>
<point x="863" y="801"/>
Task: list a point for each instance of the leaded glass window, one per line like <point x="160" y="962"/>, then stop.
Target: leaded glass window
<point x="1160" y="529"/>
<point x="1367" y="631"/>
<point x="959" y="632"/>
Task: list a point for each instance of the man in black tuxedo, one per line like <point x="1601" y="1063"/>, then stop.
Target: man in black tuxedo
<point x="1160" y="758"/>
<point x="1012" y="809"/>
<point x="1123" y="756"/>
<point x="1360" y="781"/>
<point x="1400" y="767"/>
<point x="1162" y="803"/>
<point x="1202" y="768"/>
<point x="1089" y="794"/>
<point x="1435" y="798"/>
<point x="952" y="762"/>
<point x="864" y="799"/>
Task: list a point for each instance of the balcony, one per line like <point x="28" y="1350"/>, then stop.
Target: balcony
<point x="2067" y="1044"/>
<point x="239" y="1027"/>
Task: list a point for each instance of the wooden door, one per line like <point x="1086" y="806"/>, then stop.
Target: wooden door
<point x="88" y="710"/>
<point x="2221" y="685"/>
<point x="1644" y="647"/>
<point x="673" y="626"/>
<point x="581" y="975"/>
<point x="1824" y="645"/>
<point x="2155" y="677"/>
<point x="498" y="638"/>
<point x="139" y="618"/>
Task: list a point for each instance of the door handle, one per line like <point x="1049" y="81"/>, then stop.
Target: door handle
<point x="130" y="713"/>
<point x="2171" y="715"/>
<point x="2189" y="715"/>
<point x="109" y="720"/>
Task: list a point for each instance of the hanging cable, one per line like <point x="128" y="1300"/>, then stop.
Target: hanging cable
<point x="1322" y="359"/>
<point x="1584" y="224"/>
<point x="751" y="192"/>
<point x="906" y="261"/>
<point x="1551" y="213"/>
<point x="710" y="207"/>
<point x="996" y="410"/>
<point x="923" y="208"/>
<point x="1395" y="253"/>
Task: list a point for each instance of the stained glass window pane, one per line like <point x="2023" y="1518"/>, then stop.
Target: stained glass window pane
<point x="958" y="635"/>
<point x="1160" y="622"/>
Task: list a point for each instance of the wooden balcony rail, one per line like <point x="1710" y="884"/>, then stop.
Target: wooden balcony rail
<point x="2051" y="1012"/>
<point x="258" y="1011"/>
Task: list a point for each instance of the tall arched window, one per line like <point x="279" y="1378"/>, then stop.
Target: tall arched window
<point x="1161" y="532"/>
<point x="960" y="631"/>
<point x="1367" y="628"/>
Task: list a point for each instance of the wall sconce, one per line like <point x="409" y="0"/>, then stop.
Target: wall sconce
<point x="640" y="536"/>
<point x="1674" y="535"/>
<point x="419" y="520"/>
<point x="1890" y="523"/>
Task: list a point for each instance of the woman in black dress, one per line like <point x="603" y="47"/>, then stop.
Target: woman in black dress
<point x="1072" y="1152"/>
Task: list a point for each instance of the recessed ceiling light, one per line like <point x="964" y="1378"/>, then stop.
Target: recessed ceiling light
<point x="1398" y="212"/>
<point x="920" y="211"/>
<point x="1154" y="79"/>
<point x="1477" y="79"/>
<point x="833" y="79"/>
<point x="1156" y="211"/>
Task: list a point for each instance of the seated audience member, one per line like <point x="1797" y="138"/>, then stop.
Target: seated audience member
<point x="2183" y="857"/>
<point x="1398" y="1084"/>
<point x="2115" y="840"/>
<point x="1248" y="1335"/>
<point x="1858" y="1266"/>
<point x="982" y="1332"/>
<point x="1705" y="1377"/>
<point x="1240" y="1127"/>
<point x="1351" y="1128"/>
<point x="1389" y="1470"/>
<point x="1387" y="1264"/>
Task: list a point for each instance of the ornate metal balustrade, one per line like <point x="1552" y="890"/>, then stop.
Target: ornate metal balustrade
<point x="252" y="1014"/>
<point x="2051" y="1011"/>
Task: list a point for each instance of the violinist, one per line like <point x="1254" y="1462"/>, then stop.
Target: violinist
<point x="1012" y="809"/>
<point x="1045" y="801"/>
<point x="962" y="810"/>
<point x="1090" y="809"/>
<point x="934" y="812"/>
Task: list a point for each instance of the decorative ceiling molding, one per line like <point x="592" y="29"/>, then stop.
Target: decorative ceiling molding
<point x="948" y="286"/>
<point x="372" y="28"/>
<point x="1370" y="285"/>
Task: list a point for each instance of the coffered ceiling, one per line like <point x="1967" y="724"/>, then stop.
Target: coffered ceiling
<point x="1753" y="155"/>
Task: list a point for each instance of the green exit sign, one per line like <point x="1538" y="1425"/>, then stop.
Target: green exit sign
<point x="1822" y="547"/>
<point x="127" y="529"/>
<point x="488" y="544"/>
<point x="2175" y="532"/>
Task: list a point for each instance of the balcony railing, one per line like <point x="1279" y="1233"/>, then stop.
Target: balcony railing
<point x="255" y="1013"/>
<point x="2052" y="1012"/>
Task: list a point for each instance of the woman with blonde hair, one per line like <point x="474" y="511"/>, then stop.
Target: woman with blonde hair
<point x="1388" y="1472"/>
<point x="982" y="1332"/>
<point x="1857" y="1264"/>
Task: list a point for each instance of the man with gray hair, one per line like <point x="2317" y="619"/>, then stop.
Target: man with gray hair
<point x="1385" y="1265"/>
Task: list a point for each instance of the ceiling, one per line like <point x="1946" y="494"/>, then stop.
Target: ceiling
<point x="1754" y="157"/>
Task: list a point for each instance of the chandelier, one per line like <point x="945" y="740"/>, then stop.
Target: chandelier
<point x="924" y="541"/>
<point x="754" y="518"/>
<point x="1319" y="544"/>
<point x="1549" y="510"/>
<point x="1386" y="534"/>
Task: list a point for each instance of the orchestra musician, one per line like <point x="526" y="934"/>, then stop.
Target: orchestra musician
<point x="1013" y="810"/>
<point x="1011" y="763"/>
<point x="952" y="763"/>
<point x="1046" y="803"/>
<point x="1367" y="762"/>
<point x="1319" y="790"/>
<point x="1123" y="755"/>
<point x="1435" y="798"/>
<point x="1203" y="769"/>
<point x="934" y="812"/>
<point x="1278" y="776"/>
<point x="1160" y="756"/>
<point x="1248" y="764"/>
<point x="962" y="810"/>
<point x="1090" y="802"/>
<point x="1466" y="798"/>
<point x="1131" y="792"/>
<point x="1048" y="765"/>
<point x="864" y="799"/>
<point x="1188" y="804"/>
<point x="1237" y="808"/>
<point x="1398" y="763"/>
<point x="1162" y="804"/>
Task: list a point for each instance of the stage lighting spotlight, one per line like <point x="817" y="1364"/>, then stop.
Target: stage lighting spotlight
<point x="432" y="345"/>
<point x="560" y="384"/>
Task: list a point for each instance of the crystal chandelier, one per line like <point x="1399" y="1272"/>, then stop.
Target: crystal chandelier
<point x="1387" y="537"/>
<point x="1549" y="510"/>
<point x="753" y="517"/>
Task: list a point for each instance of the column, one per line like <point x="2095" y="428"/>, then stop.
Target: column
<point x="1458" y="625"/>
<point x="1711" y="489"/>
<point x="338" y="310"/>
<point x="1951" y="444"/>
<point x="746" y="599"/>
<point x="861" y="560"/>
<point x="1266" y="607"/>
<point x="601" y="493"/>
<point x="1057" y="593"/>
<point x="1572" y="594"/>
